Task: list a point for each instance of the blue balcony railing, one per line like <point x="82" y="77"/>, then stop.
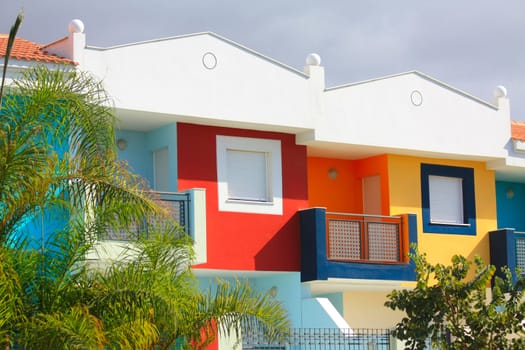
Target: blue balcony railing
<point x="507" y="248"/>
<point x="520" y="250"/>
<point x="340" y="245"/>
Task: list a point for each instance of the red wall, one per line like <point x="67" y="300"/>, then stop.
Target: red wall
<point x="244" y="241"/>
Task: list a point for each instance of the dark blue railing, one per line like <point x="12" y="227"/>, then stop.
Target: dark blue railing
<point x="520" y="251"/>
<point x="507" y="248"/>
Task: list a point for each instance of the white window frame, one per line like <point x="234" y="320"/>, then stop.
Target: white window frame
<point x="272" y="150"/>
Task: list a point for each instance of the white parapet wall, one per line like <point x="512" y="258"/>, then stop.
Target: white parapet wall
<point x="198" y="223"/>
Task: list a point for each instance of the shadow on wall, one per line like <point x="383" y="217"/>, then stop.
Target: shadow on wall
<point x="283" y="251"/>
<point x="482" y="249"/>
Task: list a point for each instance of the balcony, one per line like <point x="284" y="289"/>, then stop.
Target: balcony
<point x="188" y="208"/>
<point x="358" y="246"/>
<point x="178" y="205"/>
<point x="507" y="248"/>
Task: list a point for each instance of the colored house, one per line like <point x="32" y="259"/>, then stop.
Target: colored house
<point x="309" y="192"/>
<point x="25" y="54"/>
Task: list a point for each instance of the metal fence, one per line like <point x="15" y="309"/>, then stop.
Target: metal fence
<point x="321" y="339"/>
<point x="357" y="237"/>
<point x="177" y="205"/>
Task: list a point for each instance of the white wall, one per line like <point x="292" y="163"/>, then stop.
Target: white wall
<point x="166" y="80"/>
<point x="169" y="77"/>
<point x="381" y="113"/>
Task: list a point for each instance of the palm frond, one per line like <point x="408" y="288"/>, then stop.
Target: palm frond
<point x="11" y="299"/>
<point x="10" y="42"/>
<point x="232" y="308"/>
<point x="74" y="329"/>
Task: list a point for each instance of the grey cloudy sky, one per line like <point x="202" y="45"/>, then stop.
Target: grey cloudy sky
<point x="473" y="45"/>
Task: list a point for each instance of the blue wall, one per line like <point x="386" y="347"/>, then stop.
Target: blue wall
<point x="288" y="289"/>
<point x="140" y="147"/>
<point x="137" y="154"/>
<point x="288" y="292"/>
<point x="510" y="209"/>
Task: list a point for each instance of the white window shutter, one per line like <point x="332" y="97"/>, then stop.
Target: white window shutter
<point x="161" y="170"/>
<point x="247" y="174"/>
<point x="446" y="199"/>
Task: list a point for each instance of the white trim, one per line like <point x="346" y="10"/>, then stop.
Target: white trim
<point x="519" y="146"/>
<point x="272" y="148"/>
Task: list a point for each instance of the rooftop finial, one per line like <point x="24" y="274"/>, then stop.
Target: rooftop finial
<point x="76" y="26"/>
<point x="313" y="59"/>
<point x="500" y="91"/>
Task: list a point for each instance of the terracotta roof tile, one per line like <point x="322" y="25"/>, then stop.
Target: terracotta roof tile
<point x="29" y="51"/>
<point x="518" y="130"/>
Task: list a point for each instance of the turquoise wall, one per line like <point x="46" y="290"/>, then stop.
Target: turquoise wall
<point x="288" y="292"/>
<point x="140" y="148"/>
<point x="40" y="226"/>
<point x="336" y="299"/>
<point x="137" y="154"/>
<point x="510" y="204"/>
<point x="288" y="289"/>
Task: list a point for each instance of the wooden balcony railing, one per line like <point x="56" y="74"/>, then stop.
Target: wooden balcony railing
<point x="364" y="238"/>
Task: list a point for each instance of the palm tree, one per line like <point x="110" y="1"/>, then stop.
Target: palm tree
<point x="58" y="160"/>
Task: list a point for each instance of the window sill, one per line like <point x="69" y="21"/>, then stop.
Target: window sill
<point x="448" y="224"/>
<point x="249" y="202"/>
<point x="449" y="228"/>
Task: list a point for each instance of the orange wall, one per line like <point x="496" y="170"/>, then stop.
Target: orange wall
<point x="344" y="192"/>
<point x="377" y="165"/>
<point x="337" y="194"/>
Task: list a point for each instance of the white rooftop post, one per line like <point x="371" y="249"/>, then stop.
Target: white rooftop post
<point x="314" y="70"/>
<point x="72" y="46"/>
<point x="501" y="99"/>
<point x="77" y="39"/>
<point x="315" y="89"/>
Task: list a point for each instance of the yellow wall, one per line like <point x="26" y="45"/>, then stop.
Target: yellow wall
<point x="405" y="197"/>
<point x="367" y="310"/>
<point x="401" y="194"/>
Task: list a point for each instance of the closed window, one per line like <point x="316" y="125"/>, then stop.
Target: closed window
<point x="249" y="175"/>
<point x="161" y="170"/>
<point x="448" y="200"/>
